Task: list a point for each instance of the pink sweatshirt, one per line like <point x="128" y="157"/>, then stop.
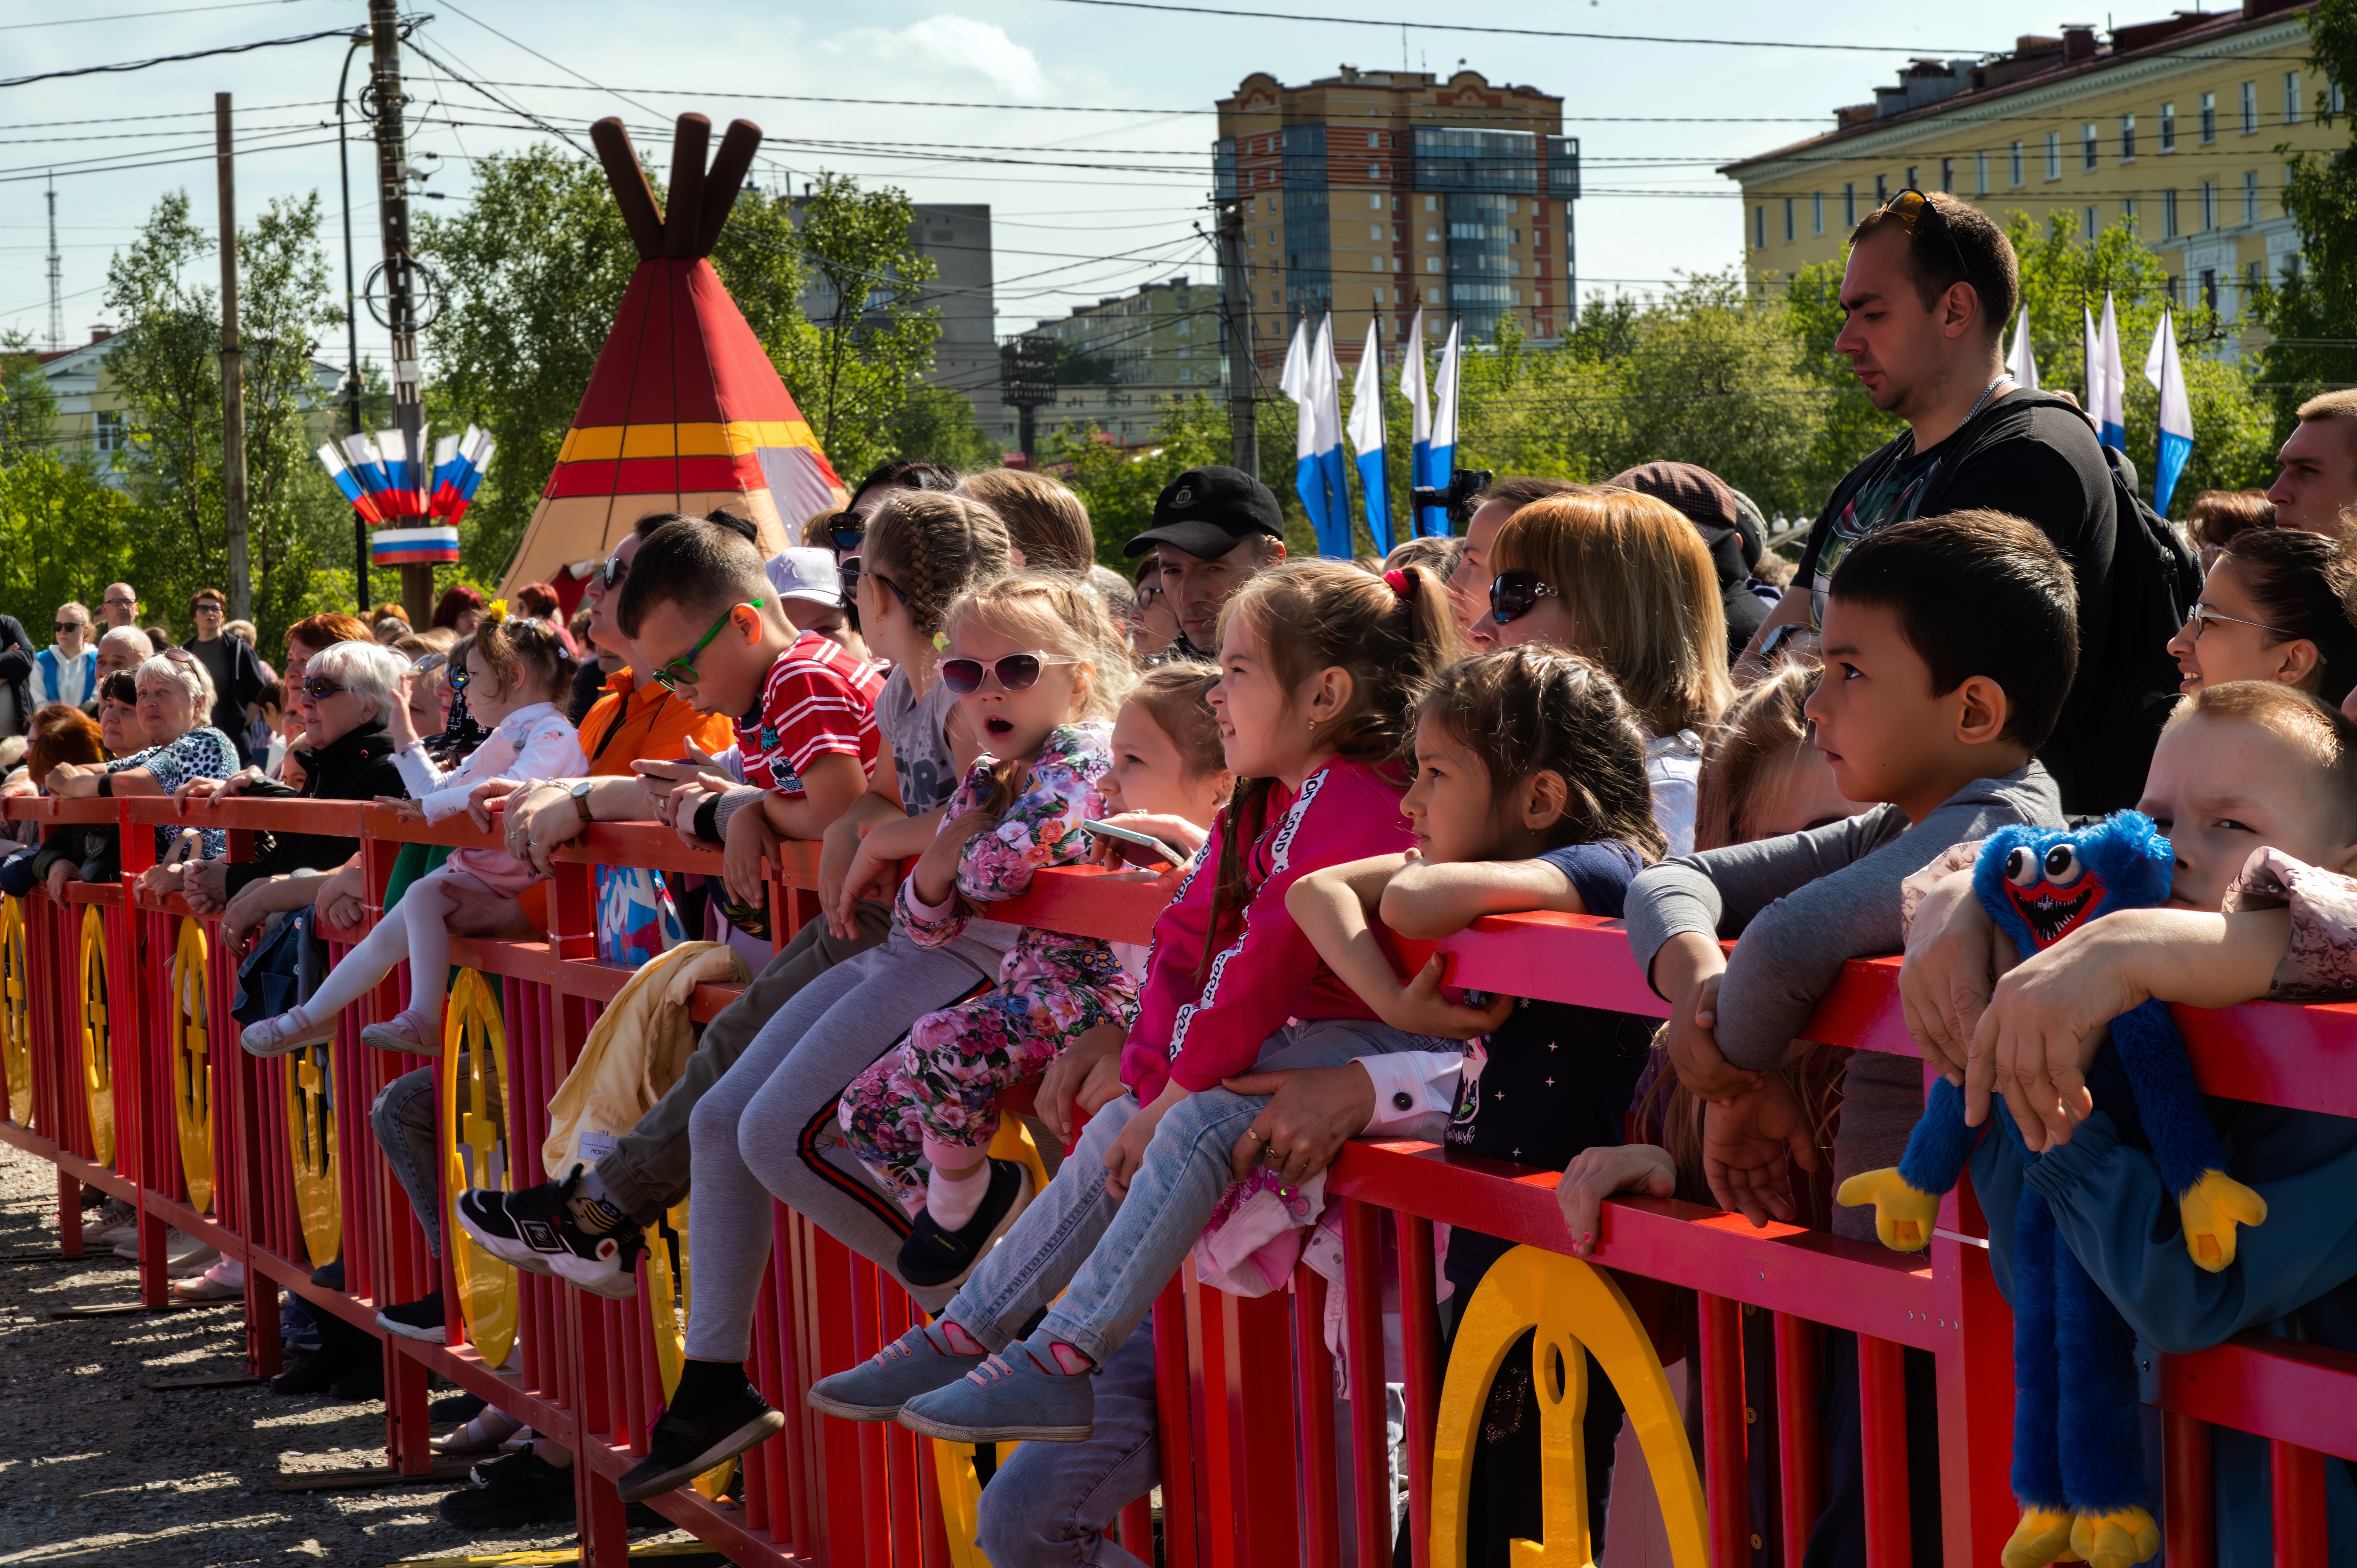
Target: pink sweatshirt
<point x="1266" y="971"/>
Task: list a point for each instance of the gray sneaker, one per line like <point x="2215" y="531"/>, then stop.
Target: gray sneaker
<point x="1010" y="1398"/>
<point x="875" y="1390"/>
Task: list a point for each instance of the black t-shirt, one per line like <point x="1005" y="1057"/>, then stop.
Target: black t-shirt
<point x="237" y="681"/>
<point x="2040" y="463"/>
<point x="1554" y="1078"/>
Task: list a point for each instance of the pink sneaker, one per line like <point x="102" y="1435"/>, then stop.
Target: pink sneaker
<point x="289" y="1032"/>
<point x="402" y="1032"/>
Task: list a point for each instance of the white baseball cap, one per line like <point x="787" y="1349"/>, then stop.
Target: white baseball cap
<point x="805" y="574"/>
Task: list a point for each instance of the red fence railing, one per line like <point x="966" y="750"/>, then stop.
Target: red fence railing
<point x="129" y="1083"/>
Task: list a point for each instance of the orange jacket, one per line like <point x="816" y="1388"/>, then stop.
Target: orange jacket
<point x="627" y="724"/>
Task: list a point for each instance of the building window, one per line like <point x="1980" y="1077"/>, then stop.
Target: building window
<point x="2291" y="98"/>
<point x="1432" y="204"/>
<point x="1911" y="181"/>
<point x="2209" y="205"/>
<point x="2016" y="167"/>
<point x="2127" y="208"/>
<point x="2169" y="127"/>
<point x="1816" y="212"/>
<point x="2127" y="138"/>
<point x="1373" y="140"/>
<point x="2210" y="287"/>
<point x="2054" y="155"/>
<point x="2331" y="96"/>
<point x="2209" y="117"/>
<point x="1789" y="232"/>
<point x="2250" y="196"/>
<point x="1980" y="174"/>
<point x="1760" y="228"/>
<point x="1849" y="206"/>
<point x="2087" y="144"/>
<point x="1881" y="190"/>
<point x="2089" y="216"/>
<point x="2250" y="108"/>
<point x="2168" y="214"/>
<point x="1948" y="176"/>
<point x="110" y="432"/>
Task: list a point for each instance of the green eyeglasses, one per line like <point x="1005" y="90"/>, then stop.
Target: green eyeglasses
<point x="681" y="671"/>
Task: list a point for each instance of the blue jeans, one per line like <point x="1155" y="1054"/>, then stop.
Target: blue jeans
<point x="1110" y="1258"/>
<point x="1051" y="1503"/>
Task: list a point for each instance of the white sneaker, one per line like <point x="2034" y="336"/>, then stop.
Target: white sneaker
<point x="185" y="1255"/>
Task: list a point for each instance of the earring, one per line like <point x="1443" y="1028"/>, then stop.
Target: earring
<point x="1313" y="726"/>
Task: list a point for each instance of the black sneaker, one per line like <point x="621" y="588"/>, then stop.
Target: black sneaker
<point x="522" y="1488"/>
<point x="933" y="1259"/>
<point x="536" y="1229"/>
<point x="313" y="1373"/>
<point x="361" y="1383"/>
<point x="419" y="1319"/>
<point x="685" y="1444"/>
<point x="457" y="1407"/>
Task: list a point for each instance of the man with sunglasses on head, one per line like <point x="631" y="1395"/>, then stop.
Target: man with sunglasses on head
<point x="1214" y="530"/>
<point x="1930" y="287"/>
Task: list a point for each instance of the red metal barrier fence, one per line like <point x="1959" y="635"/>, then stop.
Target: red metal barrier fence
<point x="123" y="1070"/>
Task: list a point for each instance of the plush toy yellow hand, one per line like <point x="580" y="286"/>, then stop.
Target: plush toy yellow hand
<point x="1902" y="1214"/>
<point x="2210" y="1209"/>
<point x="2119" y="1538"/>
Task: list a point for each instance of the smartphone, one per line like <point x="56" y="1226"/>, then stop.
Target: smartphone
<point x="1131" y="835"/>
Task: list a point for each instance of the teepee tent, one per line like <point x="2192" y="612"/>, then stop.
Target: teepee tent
<point x="685" y="412"/>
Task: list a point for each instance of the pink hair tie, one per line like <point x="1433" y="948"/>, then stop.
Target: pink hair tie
<point x="1400" y="582"/>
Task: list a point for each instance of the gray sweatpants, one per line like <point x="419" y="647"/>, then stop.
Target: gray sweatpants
<point x="647" y="1171"/>
<point x="767" y="1128"/>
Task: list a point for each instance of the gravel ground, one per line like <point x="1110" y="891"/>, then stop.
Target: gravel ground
<point x="94" y="1468"/>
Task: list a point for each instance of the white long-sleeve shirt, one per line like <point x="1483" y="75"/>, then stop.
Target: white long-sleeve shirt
<point x="1416" y="1093"/>
<point x="530" y="744"/>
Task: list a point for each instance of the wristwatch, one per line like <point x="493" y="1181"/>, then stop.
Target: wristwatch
<point x="580" y="793"/>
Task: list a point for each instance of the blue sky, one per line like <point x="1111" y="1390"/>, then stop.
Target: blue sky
<point x="1094" y="204"/>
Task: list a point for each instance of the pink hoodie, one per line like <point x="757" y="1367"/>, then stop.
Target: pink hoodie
<point x="1266" y="972"/>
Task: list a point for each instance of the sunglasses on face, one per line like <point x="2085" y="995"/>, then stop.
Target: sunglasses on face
<point x="847" y="529"/>
<point x="457" y="675"/>
<point x="429" y="663"/>
<point x="613" y="571"/>
<point x="1015" y="672"/>
<point x="681" y="671"/>
<point x="1513" y="595"/>
<point x="1914" y="210"/>
<point x="850" y="572"/>
<point x="64" y="627"/>
<point x="318" y="688"/>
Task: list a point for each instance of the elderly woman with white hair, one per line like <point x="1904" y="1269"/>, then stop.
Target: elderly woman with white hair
<point x="347" y="691"/>
<point x="175" y="694"/>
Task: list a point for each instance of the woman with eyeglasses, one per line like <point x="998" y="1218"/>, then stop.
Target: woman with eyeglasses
<point x="1624" y="579"/>
<point x="2273" y="607"/>
<point x="347" y="692"/>
<point x="176" y="694"/>
<point x="304" y="641"/>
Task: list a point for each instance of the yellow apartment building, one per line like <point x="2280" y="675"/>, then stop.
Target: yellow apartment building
<point x="1372" y="192"/>
<point x="2173" y="123"/>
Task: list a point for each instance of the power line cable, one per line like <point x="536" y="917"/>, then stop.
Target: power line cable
<point x="136" y="16"/>
<point x="1528" y="32"/>
<point x="121" y="66"/>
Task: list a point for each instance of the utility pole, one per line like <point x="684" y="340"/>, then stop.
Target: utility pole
<point x="1235" y="326"/>
<point x="57" y="276"/>
<point x="352" y="325"/>
<point x="233" y="370"/>
<point x="400" y="304"/>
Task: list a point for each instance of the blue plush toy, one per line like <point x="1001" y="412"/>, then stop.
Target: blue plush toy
<point x="2077" y="1463"/>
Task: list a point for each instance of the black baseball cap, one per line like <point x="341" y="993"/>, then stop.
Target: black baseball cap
<point x="1209" y="511"/>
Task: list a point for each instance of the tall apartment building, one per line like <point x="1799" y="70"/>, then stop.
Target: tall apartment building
<point x="1123" y="361"/>
<point x="1376" y="191"/>
<point x="2173" y="123"/>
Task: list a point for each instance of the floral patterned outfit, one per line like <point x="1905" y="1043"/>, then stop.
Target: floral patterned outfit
<point x="939" y="1090"/>
<point x="202" y="753"/>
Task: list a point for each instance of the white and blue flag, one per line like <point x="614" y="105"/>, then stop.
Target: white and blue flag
<point x="2112" y="383"/>
<point x="1309" y="379"/>
<point x="1440" y="449"/>
<point x="1367" y="438"/>
<point x="2162" y="369"/>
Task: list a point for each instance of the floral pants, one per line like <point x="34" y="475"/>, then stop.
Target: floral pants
<point x="939" y="1089"/>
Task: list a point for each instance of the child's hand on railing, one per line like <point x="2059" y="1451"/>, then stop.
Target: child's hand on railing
<point x="1595" y="1174"/>
<point x="487" y="798"/>
<point x="1687" y="971"/>
<point x="1419" y="1008"/>
<point x="407" y="811"/>
<point x="1086" y="1073"/>
<point x="1750" y="1146"/>
<point x="61" y="873"/>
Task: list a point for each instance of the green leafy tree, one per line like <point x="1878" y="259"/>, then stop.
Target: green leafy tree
<point x="2312" y="313"/>
<point x="868" y="338"/>
<point x="938" y="424"/>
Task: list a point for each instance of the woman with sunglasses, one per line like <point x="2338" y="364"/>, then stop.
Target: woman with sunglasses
<point x="1624" y="579"/>
<point x="2273" y="608"/>
<point x="346" y="753"/>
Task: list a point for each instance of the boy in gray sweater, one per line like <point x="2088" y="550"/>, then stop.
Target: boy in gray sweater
<point x="1949" y="646"/>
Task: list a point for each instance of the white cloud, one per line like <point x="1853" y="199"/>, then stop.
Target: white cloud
<point x="958" y="46"/>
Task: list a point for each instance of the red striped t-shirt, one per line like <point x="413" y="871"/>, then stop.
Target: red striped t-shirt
<point x="820" y="700"/>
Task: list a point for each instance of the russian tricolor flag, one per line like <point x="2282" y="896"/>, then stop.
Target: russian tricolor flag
<point x="458" y="465"/>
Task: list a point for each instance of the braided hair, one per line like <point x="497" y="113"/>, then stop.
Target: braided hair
<point x="933" y="547"/>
